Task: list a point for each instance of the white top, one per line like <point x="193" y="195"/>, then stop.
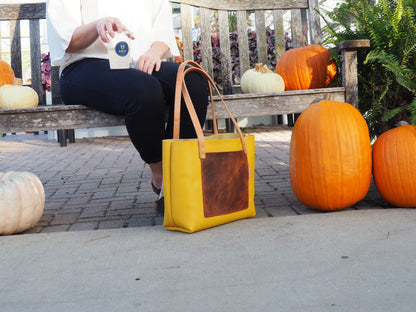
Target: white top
<point x="148" y="20"/>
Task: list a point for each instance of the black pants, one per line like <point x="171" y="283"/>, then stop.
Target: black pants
<point x="142" y="98"/>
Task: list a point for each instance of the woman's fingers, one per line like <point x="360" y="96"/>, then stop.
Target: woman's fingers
<point x="108" y="26"/>
<point x="101" y="30"/>
<point x="148" y="63"/>
<point x="158" y="63"/>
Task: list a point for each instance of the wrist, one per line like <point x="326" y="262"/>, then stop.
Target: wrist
<point x="159" y="48"/>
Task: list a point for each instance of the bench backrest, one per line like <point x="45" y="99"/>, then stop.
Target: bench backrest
<point x="301" y="16"/>
<point x="33" y="12"/>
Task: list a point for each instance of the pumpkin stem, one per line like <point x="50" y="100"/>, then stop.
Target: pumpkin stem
<point x="17" y="82"/>
<point x="402" y="123"/>
<point x="265" y="69"/>
<point x="259" y="67"/>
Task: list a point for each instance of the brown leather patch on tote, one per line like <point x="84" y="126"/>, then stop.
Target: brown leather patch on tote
<point x="224" y="183"/>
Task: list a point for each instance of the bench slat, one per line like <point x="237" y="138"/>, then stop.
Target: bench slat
<point x="297" y="32"/>
<point x="249" y="5"/>
<point x="261" y="37"/>
<point x="243" y="47"/>
<point x="315" y="22"/>
<point x="206" y="44"/>
<point x="56" y="98"/>
<point x="15" y="11"/>
<point x="225" y="57"/>
<point x="279" y="33"/>
<point x="274" y="103"/>
<point x="186" y="26"/>
<point x="35" y="58"/>
<point x="16" y="48"/>
<point x="54" y="117"/>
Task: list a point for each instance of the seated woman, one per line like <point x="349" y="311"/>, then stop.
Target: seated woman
<point x="78" y="32"/>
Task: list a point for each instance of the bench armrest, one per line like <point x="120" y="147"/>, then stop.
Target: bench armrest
<point x="348" y="50"/>
<point x="350" y="45"/>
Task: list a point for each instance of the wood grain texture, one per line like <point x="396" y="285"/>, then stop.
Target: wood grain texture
<point x="225" y="57"/>
<point x="55" y="117"/>
<point x="206" y="44"/>
<point x="16" y="48"/>
<point x="251" y="5"/>
<point x="261" y="36"/>
<point x="17" y="11"/>
<point x="243" y="47"/>
<point x="35" y="59"/>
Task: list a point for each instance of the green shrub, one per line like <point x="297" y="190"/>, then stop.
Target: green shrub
<point x="387" y="70"/>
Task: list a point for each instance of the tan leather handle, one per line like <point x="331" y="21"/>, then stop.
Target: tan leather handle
<point x="181" y="89"/>
<point x="178" y="92"/>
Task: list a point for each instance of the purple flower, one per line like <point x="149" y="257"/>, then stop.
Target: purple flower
<point x="46" y="72"/>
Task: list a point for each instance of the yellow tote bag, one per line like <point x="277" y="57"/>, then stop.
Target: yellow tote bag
<point x="207" y="181"/>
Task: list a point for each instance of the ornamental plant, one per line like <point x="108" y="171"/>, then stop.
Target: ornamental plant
<point x="387" y="70"/>
<point x="46" y="72"/>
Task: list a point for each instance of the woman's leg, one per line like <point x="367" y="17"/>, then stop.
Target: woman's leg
<point x="128" y="92"/>
<point x="138" y="96"/>
<point x="198" y="91"/>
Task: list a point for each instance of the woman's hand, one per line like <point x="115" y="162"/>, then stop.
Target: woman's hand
<point x="151" y="60"/>
<point x="87" y="34"/>
<point x="108" y="26"/>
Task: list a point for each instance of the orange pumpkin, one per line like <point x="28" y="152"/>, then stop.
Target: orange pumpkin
<point x="330" y="156"/>
<point x="308" y="67"/>
<point x="394" y="166"/>
<point x="6" y="73"/>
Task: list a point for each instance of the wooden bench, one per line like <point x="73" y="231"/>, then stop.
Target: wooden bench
<point x="304" y="21"/>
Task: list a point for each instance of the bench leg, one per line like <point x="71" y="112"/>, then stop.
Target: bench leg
<point x="71" y="135"/>
<point x="277" y="119"/>
<point x="209" y="125"/>
<point x="62" y="136"/>
<point x="229" y="125"/>
<point x="291" y="119"/>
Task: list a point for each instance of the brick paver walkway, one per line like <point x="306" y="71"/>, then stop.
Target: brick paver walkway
<point x="102" y="183"/>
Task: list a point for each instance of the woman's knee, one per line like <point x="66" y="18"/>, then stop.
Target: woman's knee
<point x="198" y="89"/>
<point x="145" y="93"/>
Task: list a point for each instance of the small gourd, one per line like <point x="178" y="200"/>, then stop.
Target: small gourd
<point x="261" y="79"/>
<point x="22" y="200"/>
<point x="17" y="96"/>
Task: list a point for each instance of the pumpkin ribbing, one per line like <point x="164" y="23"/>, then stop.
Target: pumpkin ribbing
<point x="307" y="67"/>
<point x="6" y="73"/>
<point x="330" y="156"/>
<point x="17" y="96"/>
<point x="261" y="79"/>
<point x="22" y="200"/>
<point x="394" y="168"/>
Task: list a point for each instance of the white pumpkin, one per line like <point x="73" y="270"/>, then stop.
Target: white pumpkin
<point x="261" y="79"/>
<point x="22" y="200"/>
<point x="17" y="96"/>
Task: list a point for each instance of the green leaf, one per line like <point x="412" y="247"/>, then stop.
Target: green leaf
<point x="390" y="114"/>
